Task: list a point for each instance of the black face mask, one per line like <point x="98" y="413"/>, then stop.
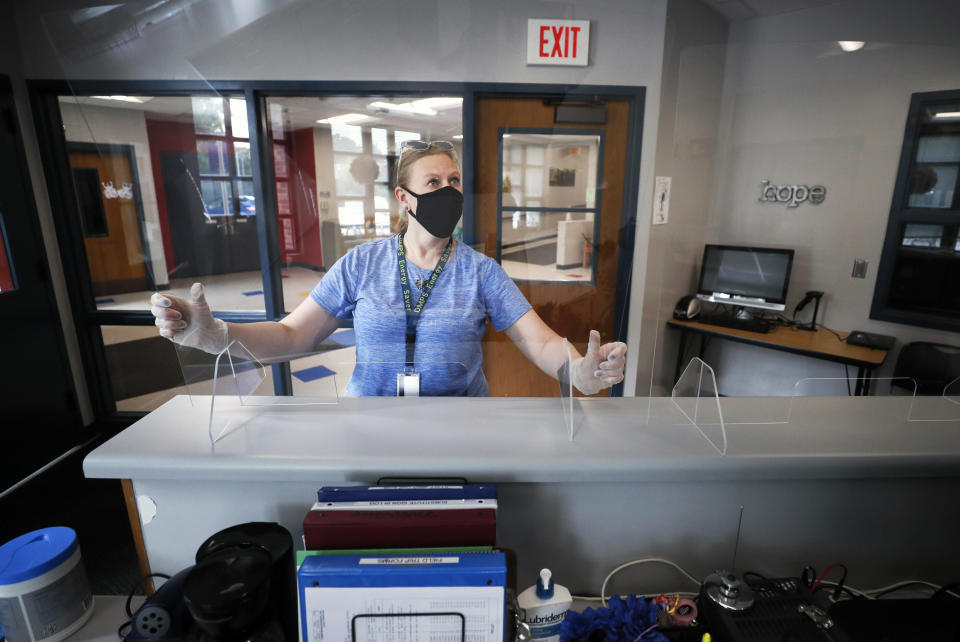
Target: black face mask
<point x="438" y="211"/>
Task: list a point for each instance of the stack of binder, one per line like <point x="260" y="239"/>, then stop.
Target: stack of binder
<point x="387" y="517"/>
<point x="397" y="563"/>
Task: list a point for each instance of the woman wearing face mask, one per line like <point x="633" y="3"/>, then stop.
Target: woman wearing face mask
<point x="419" y="303"/>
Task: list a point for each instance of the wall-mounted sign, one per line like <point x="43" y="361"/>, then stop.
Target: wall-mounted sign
<point x="661" y="200"/>
<point x="792" y="195"/>
<point x="558" y="42"/>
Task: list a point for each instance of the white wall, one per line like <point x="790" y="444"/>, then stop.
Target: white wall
<point x="796" y="110"/>
<point x="686" y="139"/>
<point x="11" y="64"/>
<point x="90" y="124"/>
<point x="416" y="41"/>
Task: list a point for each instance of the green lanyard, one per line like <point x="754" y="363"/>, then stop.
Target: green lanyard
<point x="413" y="312"/>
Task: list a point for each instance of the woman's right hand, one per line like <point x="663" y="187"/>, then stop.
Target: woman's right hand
<point x="189" y="322"/>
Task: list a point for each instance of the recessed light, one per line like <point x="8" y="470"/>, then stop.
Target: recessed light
<point x="947" y="114"/>
<point x="344" y="119"/>
<point x="851" y="45"/>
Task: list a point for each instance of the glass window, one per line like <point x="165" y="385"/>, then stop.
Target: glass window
<point x="208" y="116"/>
<point x="333" y="173"/>
<point x="242" y="155"/>
<point x="548" y="206"/>
<point x="916" y="282"/>
<point x="165" y="193"/>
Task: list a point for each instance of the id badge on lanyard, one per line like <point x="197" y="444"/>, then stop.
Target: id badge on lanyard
<point x="408" y="381"/>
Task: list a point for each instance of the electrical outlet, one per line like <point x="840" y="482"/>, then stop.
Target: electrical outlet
<point x="859" y="269"/>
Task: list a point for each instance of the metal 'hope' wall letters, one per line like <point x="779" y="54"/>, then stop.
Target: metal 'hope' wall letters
<point x="792" y="195"/>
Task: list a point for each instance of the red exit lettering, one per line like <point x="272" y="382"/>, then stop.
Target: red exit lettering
<point x="564" y="40"/>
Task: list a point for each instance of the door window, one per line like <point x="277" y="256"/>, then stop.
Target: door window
<point x="548" y="202"/>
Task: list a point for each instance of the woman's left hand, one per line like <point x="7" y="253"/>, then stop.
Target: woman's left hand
<point x="602" y="366"/>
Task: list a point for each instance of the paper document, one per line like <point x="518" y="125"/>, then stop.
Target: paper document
<point x="403" y="613"/>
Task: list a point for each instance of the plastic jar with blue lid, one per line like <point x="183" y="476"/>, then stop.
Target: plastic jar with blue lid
<point x="44" y="592"/>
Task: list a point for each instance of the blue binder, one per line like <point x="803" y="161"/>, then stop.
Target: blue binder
<point x="374" y="573"/>
<point x="405" y="493"/>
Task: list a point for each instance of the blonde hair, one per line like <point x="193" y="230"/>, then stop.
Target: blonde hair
<point x="402" y="174"/>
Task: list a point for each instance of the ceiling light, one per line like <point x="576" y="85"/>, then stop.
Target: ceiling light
<point x="458" y="136"/>
<point x="126" y="99"/>
<point x="947" y="114"/>
<point x="344" y="119"/>
<point x="851" y="45"/>
<point x="406" y="108"/>
<point x="439" y="102"/>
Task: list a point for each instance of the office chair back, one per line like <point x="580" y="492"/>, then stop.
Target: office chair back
<point x="932" y="365"/>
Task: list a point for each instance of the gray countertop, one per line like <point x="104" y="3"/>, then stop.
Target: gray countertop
<point x="526" y="439"/>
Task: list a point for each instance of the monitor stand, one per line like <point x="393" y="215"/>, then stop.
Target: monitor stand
<point x="742" y="312"/>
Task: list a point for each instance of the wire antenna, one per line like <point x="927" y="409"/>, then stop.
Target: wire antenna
<point x="736" y="543"/>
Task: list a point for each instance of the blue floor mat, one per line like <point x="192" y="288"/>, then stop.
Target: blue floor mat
<point x="312" y="374"/>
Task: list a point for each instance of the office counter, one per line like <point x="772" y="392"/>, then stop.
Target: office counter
<point x="821" y="479"/>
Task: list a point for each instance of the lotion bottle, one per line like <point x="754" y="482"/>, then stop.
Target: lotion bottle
<point x="544" y="606"/>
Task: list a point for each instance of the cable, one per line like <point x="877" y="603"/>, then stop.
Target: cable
<point x="126" y="606"/>
<point x="833" y="332"/>
<point x="824" y="574"/>
<point x="646" y="560"/>
<point x="947" y="589"/>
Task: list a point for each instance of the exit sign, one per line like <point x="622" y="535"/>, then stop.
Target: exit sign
<point x="558" y="42"/>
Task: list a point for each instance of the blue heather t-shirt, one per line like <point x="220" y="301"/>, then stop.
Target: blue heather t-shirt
<point x="365" y="285"/>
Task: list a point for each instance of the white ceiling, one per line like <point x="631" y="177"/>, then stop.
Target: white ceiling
<point x="737" y="10"/>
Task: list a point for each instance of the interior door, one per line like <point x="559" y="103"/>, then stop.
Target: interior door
<point x="40" y="416"/>
<point x="104" y="182"/>
<point x="208" y="238"/>
<point x="582" y="295"/>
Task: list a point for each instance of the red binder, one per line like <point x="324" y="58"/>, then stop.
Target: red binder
<point x="351" y="529"/>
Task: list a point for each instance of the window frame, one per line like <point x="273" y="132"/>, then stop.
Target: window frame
<point x="901" y="215"/>
<point x="87" y="319"/>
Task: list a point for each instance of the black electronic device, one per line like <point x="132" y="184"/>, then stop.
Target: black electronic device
<point x="736" y="323"/>
<point x="811" y="295"/>
<point x="687" y="308"/>
<point x="870" y="340"/>
<point x="754" y="277"/>
<point x="929" y="620"/>
<point x="763" y="611"/>
<point x="243" y="587"/>
<point x="163" y="616"/>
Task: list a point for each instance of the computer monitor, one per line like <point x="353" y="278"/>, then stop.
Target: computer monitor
<point x="749" y="276"/>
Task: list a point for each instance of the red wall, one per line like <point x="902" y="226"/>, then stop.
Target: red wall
<point x="6" y="279"/>
<point x="169" y="136"/>
<point x="303" y="197"/>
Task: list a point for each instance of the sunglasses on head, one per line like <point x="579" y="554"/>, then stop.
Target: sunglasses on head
<point x="424" y="145"/>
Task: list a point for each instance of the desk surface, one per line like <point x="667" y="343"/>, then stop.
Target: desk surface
<point x="821" y="343"/>
<point x="524" y="440"/>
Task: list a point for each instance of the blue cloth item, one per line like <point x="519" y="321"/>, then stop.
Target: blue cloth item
<point x="621" y="620"/>
<point x="312" y="374"/>
<point x="365" y="285"/>
<point x="345" y="338"/>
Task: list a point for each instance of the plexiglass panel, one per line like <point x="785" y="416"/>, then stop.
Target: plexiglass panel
<point x="333" y="163"/>
<point x="164" y="188"/>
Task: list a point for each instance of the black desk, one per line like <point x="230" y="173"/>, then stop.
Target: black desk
<point x="820" y="344"/>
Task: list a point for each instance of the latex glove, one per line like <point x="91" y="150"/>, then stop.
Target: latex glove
<point x="602" y="366"/>
<point x="189" y="322"/>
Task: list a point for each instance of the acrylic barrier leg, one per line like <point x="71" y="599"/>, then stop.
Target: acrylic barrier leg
<point x="567" y="401"/>
<point x="695" y="395"/>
